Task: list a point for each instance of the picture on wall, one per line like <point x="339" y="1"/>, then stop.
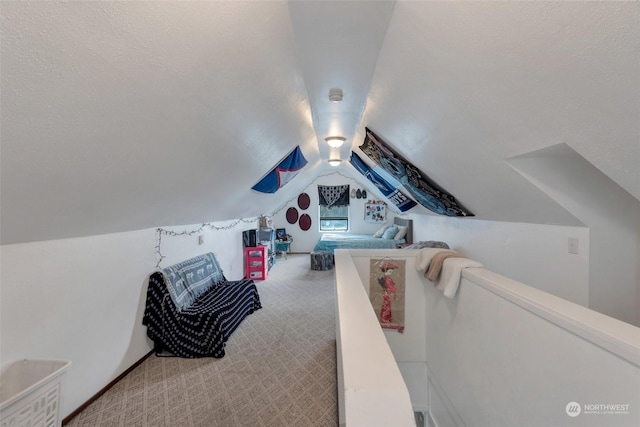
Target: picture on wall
<point x="387" y="292"/>
<point x="375" y="212"/>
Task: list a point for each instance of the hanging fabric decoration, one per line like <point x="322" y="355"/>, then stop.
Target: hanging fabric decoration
<point x="333" y="195"/>
<point x="423" y="189"/>
<point x="284" y="172"/>
<point x="395" y="196"/>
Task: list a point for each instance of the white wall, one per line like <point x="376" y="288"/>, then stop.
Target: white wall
<point x="304" y="241"/>
<point x="371" y="389"/>
<point x="530" y="253"/>
<point x="501" y="353"/>
<point x="612" y="215"/>
<point x="409" y="347"/>
<point x="504" y="354"/>
<point x="82" y="299"/>
<point x="538" y="255"/>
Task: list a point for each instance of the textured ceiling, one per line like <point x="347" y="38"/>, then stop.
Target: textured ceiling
<point x="119" y="116"/>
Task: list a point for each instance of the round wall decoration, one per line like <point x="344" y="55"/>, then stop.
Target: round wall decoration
<point x="304" y="201"/>
<point x="292" y="215"/>
<point x="305" y="222"/>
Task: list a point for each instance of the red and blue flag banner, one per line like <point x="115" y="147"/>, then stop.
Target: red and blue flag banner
<point x="395" y="196"/>
<point x="421" y="187"/>
<point x="284" y="172"/>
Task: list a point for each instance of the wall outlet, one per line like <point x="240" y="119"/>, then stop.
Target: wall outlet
<point x="200" y="239"/>
<point x="573" y="245"/>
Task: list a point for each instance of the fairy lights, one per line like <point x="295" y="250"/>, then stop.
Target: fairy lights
<point x="164" y="232"/>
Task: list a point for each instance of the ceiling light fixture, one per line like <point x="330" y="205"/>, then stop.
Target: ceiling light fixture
<point x="335" y="95"/>
<point x="334" y="162"/>
<point x="335" y="141"/>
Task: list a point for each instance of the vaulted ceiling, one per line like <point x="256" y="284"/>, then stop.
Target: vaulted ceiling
<point x="120" y="116"/>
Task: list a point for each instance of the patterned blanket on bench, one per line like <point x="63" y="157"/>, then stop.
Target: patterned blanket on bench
<point x="202" y="324"/>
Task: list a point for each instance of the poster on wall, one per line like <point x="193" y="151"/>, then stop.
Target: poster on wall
<point x="375" y="212"/>
<point x="387" y="292"/>
<point x="423" y="189"/>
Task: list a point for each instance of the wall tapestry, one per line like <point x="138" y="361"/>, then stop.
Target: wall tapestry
<point x="395" y="196"/>
<point x="375" y="212"/>
<point x="423" y="189"/>
<point x="284" y="172"/>
<point x="387" y="292"/>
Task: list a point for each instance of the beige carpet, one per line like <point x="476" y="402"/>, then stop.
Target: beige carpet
<point x="280" y="367"/>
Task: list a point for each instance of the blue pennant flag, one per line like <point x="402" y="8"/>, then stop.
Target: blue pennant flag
<point x="284" y="172"/>
<point x="399" y="199"/>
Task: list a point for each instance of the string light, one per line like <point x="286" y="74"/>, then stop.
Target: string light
<point x="164" y="232"/>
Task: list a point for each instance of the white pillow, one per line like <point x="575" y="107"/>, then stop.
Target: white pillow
<point x="379" y="233"/>
<point x="402" y="231"/>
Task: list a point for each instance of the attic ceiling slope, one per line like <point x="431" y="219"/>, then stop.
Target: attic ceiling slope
<point x="337" y="45"/>
<point x="461" y="86"/>
<point x="120" y="116"/>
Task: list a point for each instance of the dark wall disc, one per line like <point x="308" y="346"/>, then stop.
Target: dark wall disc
<point x="304" y="201"/>
<point x="292" y="215"/>
<point x="305" y="222"/>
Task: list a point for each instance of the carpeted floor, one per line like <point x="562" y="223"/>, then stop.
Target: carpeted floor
<point x="280" y="367"/>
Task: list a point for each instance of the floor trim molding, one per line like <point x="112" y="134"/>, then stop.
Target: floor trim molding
<point x="93" y="398"/>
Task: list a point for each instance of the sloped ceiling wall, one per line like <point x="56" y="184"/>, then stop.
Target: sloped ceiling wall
<point x="119" y="116"/>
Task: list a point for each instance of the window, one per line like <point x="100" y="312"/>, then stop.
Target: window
<point x="335" y="218"/>
<point x="333" y="207"/>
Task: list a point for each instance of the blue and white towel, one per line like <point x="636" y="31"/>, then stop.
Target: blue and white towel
<point x="189" y="279"/>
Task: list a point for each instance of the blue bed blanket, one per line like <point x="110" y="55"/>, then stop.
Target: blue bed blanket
<point x="331" y="241"/>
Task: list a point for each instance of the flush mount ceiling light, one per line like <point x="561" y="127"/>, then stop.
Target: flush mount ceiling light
<point x="335" y="162"/>
<point x="335" y="141"/>
<point x="335" y="95"/>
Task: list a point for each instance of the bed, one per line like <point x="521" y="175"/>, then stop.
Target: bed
<point x="331" y="241"/>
